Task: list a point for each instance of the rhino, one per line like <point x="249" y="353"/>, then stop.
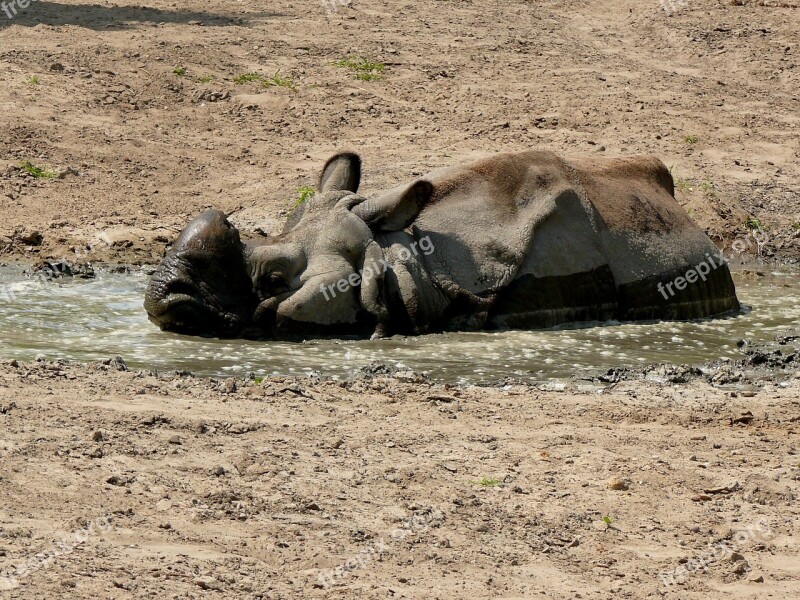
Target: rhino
<point x="512" y="241"/>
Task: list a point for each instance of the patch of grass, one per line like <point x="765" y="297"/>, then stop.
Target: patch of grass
<point x="33" y="80"/>
<point x="488" y="482"/>
<point x="752" y="223"/>
<point x="691" y="139"/>
<point x="277" y="80"/>
<point x="29" y="167"/>
<point x="248" y="78"/>
<point x="708" y="187"/>
<point x="363" y="68"/>
<point x="179" y="71"/>
<point x="281" y="81"/>
<point x="682" y="184"/>
<point x="608" y="521"/>
<point x="796" y="226"/>
<point x="258" y="380"/>
<point x="205" y="79"/>
<point x="304" y="193"/>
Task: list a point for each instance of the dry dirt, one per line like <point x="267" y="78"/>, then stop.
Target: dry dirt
<point x="242" y="490"/>
<point x="239" y="489"/>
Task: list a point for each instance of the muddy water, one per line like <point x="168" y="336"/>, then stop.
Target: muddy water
<point x="101" y="318"/>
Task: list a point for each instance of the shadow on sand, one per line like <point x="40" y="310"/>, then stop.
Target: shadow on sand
<point x="95" y="16"/>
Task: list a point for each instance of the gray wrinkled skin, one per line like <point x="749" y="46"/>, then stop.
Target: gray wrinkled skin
<point x="517" y="240"/>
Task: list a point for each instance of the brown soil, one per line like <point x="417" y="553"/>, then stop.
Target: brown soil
<point x="241" y="490"/>
<point x="712" y="90"/>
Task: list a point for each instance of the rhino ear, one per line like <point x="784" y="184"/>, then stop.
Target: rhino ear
<point x="342" y="172"/>
<point x="396" y="209"/>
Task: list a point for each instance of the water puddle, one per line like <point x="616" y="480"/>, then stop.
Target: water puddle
<point x="101" y="318"/>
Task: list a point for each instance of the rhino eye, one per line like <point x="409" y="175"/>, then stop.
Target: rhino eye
<point x="273" y="284"/>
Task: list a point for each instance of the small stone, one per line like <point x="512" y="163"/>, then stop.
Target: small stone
<point x="734" y="557"/>
<point x="740" y="568"/>
<point x="219" y="471"/>
<point x="96" y="453"/>
<point x="175" y="439"/>
<point x="97" y="436"/>
<point x="207" y="583"/>
<point x="56" y="66"/>
<point x="164" y="505"/>
<point x="313" y="506"/>
<point x="756" y="578"/>
<point x="31" y="238"/>
<point x="616" y="483"/>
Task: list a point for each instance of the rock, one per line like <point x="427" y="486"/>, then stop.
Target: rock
<point x="30" y="238"/>
<point x="175" y="439"/>
<point x="756" y="579"/>
<point x="207" y="583"/>
<point x="117" y="362"/>
<point x="616" y="483"/>
<point x="740" y="568"/>
<point x="63" y="269"/>
<point x="97" y="436"/>
<point x="734" y="557"/>
<point x="56" y="66"/>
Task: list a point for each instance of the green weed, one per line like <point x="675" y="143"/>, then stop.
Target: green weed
<point x="248" y="78"/>
<point x="753" y="224"/>
<point x="488" y="482"/>
<point x="708" y="187"/>
<point x="277" y="80"/>
<point x="33" y="80"/>
<point x="29" y="167"/>
<point x="363" y="68"/>
<point x="304" y="193"/>
<point x="179" y="71"/>
<point x="691" y="139"/>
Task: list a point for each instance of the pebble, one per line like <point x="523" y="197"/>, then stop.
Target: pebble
<point x="616" y="483"/>
<point x="207" y="583"/>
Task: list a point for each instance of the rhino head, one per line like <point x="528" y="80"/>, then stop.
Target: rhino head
<point x="325" y="274"/>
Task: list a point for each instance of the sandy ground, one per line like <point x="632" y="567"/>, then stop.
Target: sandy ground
<point x="91" y="93"/>
<point x="175" y="487"/>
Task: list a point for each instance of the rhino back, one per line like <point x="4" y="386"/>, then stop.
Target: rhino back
<point x="549" y="240"/>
